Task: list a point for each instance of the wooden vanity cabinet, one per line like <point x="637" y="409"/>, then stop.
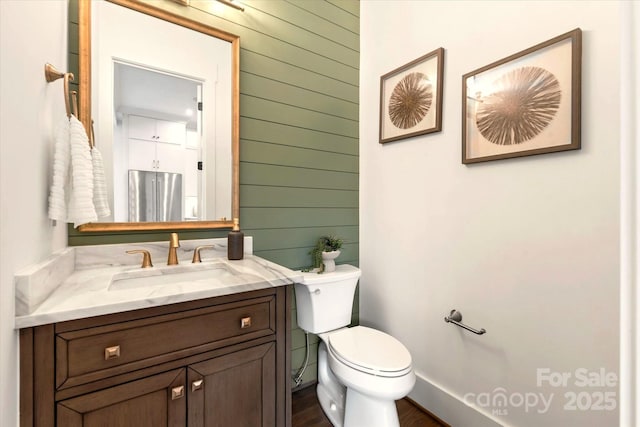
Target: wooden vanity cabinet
<point x="141" y="403"/>
<point x="222" y="361"/>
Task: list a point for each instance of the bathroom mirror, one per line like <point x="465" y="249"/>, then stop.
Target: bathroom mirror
<point x="164" y="103"/>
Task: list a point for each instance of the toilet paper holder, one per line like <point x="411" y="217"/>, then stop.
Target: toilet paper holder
<point x="455" y="317"/>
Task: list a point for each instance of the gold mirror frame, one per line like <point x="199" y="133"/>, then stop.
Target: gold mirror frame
<point x="84" y="99"/>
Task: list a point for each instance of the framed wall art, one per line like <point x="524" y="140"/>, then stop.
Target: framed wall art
<point x="525" y="104"/>
<point x="411" y="98"/>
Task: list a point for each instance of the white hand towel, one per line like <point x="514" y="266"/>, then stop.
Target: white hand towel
<point x="80" y="209"/>
<point x="61" y="159"/>
<point x="100" y="200"/>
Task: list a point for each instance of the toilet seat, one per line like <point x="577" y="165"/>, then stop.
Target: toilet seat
<point x="370" y="351"/>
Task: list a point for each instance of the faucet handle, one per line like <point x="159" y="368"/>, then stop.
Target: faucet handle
<point x="174" y="244"/>
<point x="196" y="252"/>
<point x="146" y="257"/>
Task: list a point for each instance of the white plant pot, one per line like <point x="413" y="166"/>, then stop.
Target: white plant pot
<point x="328" y="259"/>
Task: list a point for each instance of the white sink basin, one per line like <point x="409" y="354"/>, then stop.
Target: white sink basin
<point x="169" y="275"/>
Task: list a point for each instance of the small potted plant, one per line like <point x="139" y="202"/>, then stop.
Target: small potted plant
<point x="324" y="253"/>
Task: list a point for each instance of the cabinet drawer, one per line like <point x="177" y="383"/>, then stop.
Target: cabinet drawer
<point x="90" y="354"/>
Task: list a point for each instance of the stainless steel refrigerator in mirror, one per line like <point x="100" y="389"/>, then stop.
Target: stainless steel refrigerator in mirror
<point x="155" y="196"/>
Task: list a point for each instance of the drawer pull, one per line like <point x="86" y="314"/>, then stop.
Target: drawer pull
<point x="177" y="392"/>
<point x="197" y="385"/>
<point x="112" y="352"/>
<point x="245" y="322"/>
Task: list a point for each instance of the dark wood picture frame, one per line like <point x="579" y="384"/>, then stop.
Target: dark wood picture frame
<point x="525" y="104"/>
<point x="411" y="98"/>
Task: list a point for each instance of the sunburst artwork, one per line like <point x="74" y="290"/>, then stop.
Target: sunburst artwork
<point x="411" y="98"/>
<point x="525" y="104"/>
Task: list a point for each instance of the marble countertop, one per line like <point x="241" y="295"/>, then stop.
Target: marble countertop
<point x="81" y="282"/>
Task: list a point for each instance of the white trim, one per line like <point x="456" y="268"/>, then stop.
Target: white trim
<point x="629" y="210"/>
<point x="449" y="408"/>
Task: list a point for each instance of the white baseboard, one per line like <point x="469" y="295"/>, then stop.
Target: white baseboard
<point x="448" y="407"/>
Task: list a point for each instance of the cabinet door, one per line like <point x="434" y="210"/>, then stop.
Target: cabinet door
<point x="238" y="389"/>
<point x="156" y="401"/>
<point x="142" y="155"/>
<point x="142" y="128"/>
<point x="156" y="145"/>
<point x="156" y="156"/>
<point x="170" y="158"/>
<point x="171" y="132"/>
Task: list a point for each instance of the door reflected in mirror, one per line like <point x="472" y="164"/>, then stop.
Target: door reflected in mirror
<point x="158" y="170"/>
<point x="165" y="107"/>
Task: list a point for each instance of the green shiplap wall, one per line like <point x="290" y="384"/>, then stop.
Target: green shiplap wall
<point x="299" y="63"/>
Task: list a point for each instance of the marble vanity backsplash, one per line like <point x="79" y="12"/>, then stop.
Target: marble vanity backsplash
<point x="116" y="255"/>
<point x="35" y="283"/>
<point x="52" y="285"/>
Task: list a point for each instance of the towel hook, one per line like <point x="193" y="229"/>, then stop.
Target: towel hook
<point x="52" y="74"/>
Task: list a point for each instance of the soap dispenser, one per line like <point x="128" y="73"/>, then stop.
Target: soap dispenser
<point x="235" y="241"/>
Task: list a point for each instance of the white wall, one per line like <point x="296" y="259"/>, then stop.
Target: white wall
<point x="31" y="34"/>
<point x="527" y="248"/>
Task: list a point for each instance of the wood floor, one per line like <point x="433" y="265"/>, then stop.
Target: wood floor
<point x="307" y="412"/>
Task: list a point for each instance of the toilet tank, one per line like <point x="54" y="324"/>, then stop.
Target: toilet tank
<point x="324" y="301"/>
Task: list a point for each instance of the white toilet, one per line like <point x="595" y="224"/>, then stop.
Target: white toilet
<point x="361" y="371"/>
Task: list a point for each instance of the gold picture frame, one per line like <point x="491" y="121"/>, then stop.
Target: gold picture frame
<point x="411" y="98"/>
<point x="525" y="104"/>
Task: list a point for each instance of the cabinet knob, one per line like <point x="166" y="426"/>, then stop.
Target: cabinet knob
<point x="197" y="385"/>
<point x="112" y="352"/>
<point x="177" y="392"/>
<point x="245" y="322"/>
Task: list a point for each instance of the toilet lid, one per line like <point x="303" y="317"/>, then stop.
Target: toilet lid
<point x="371" y="351"/>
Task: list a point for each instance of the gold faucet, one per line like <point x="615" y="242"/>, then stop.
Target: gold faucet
<point x="174" y="244"/>
<point x="196" y="253"/>
<point x="146" y="257"/>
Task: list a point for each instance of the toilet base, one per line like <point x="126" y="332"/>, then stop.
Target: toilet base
<point x="364" y="411"/>
<point x="332" y="408"/>
<point x="331" y="394"/>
